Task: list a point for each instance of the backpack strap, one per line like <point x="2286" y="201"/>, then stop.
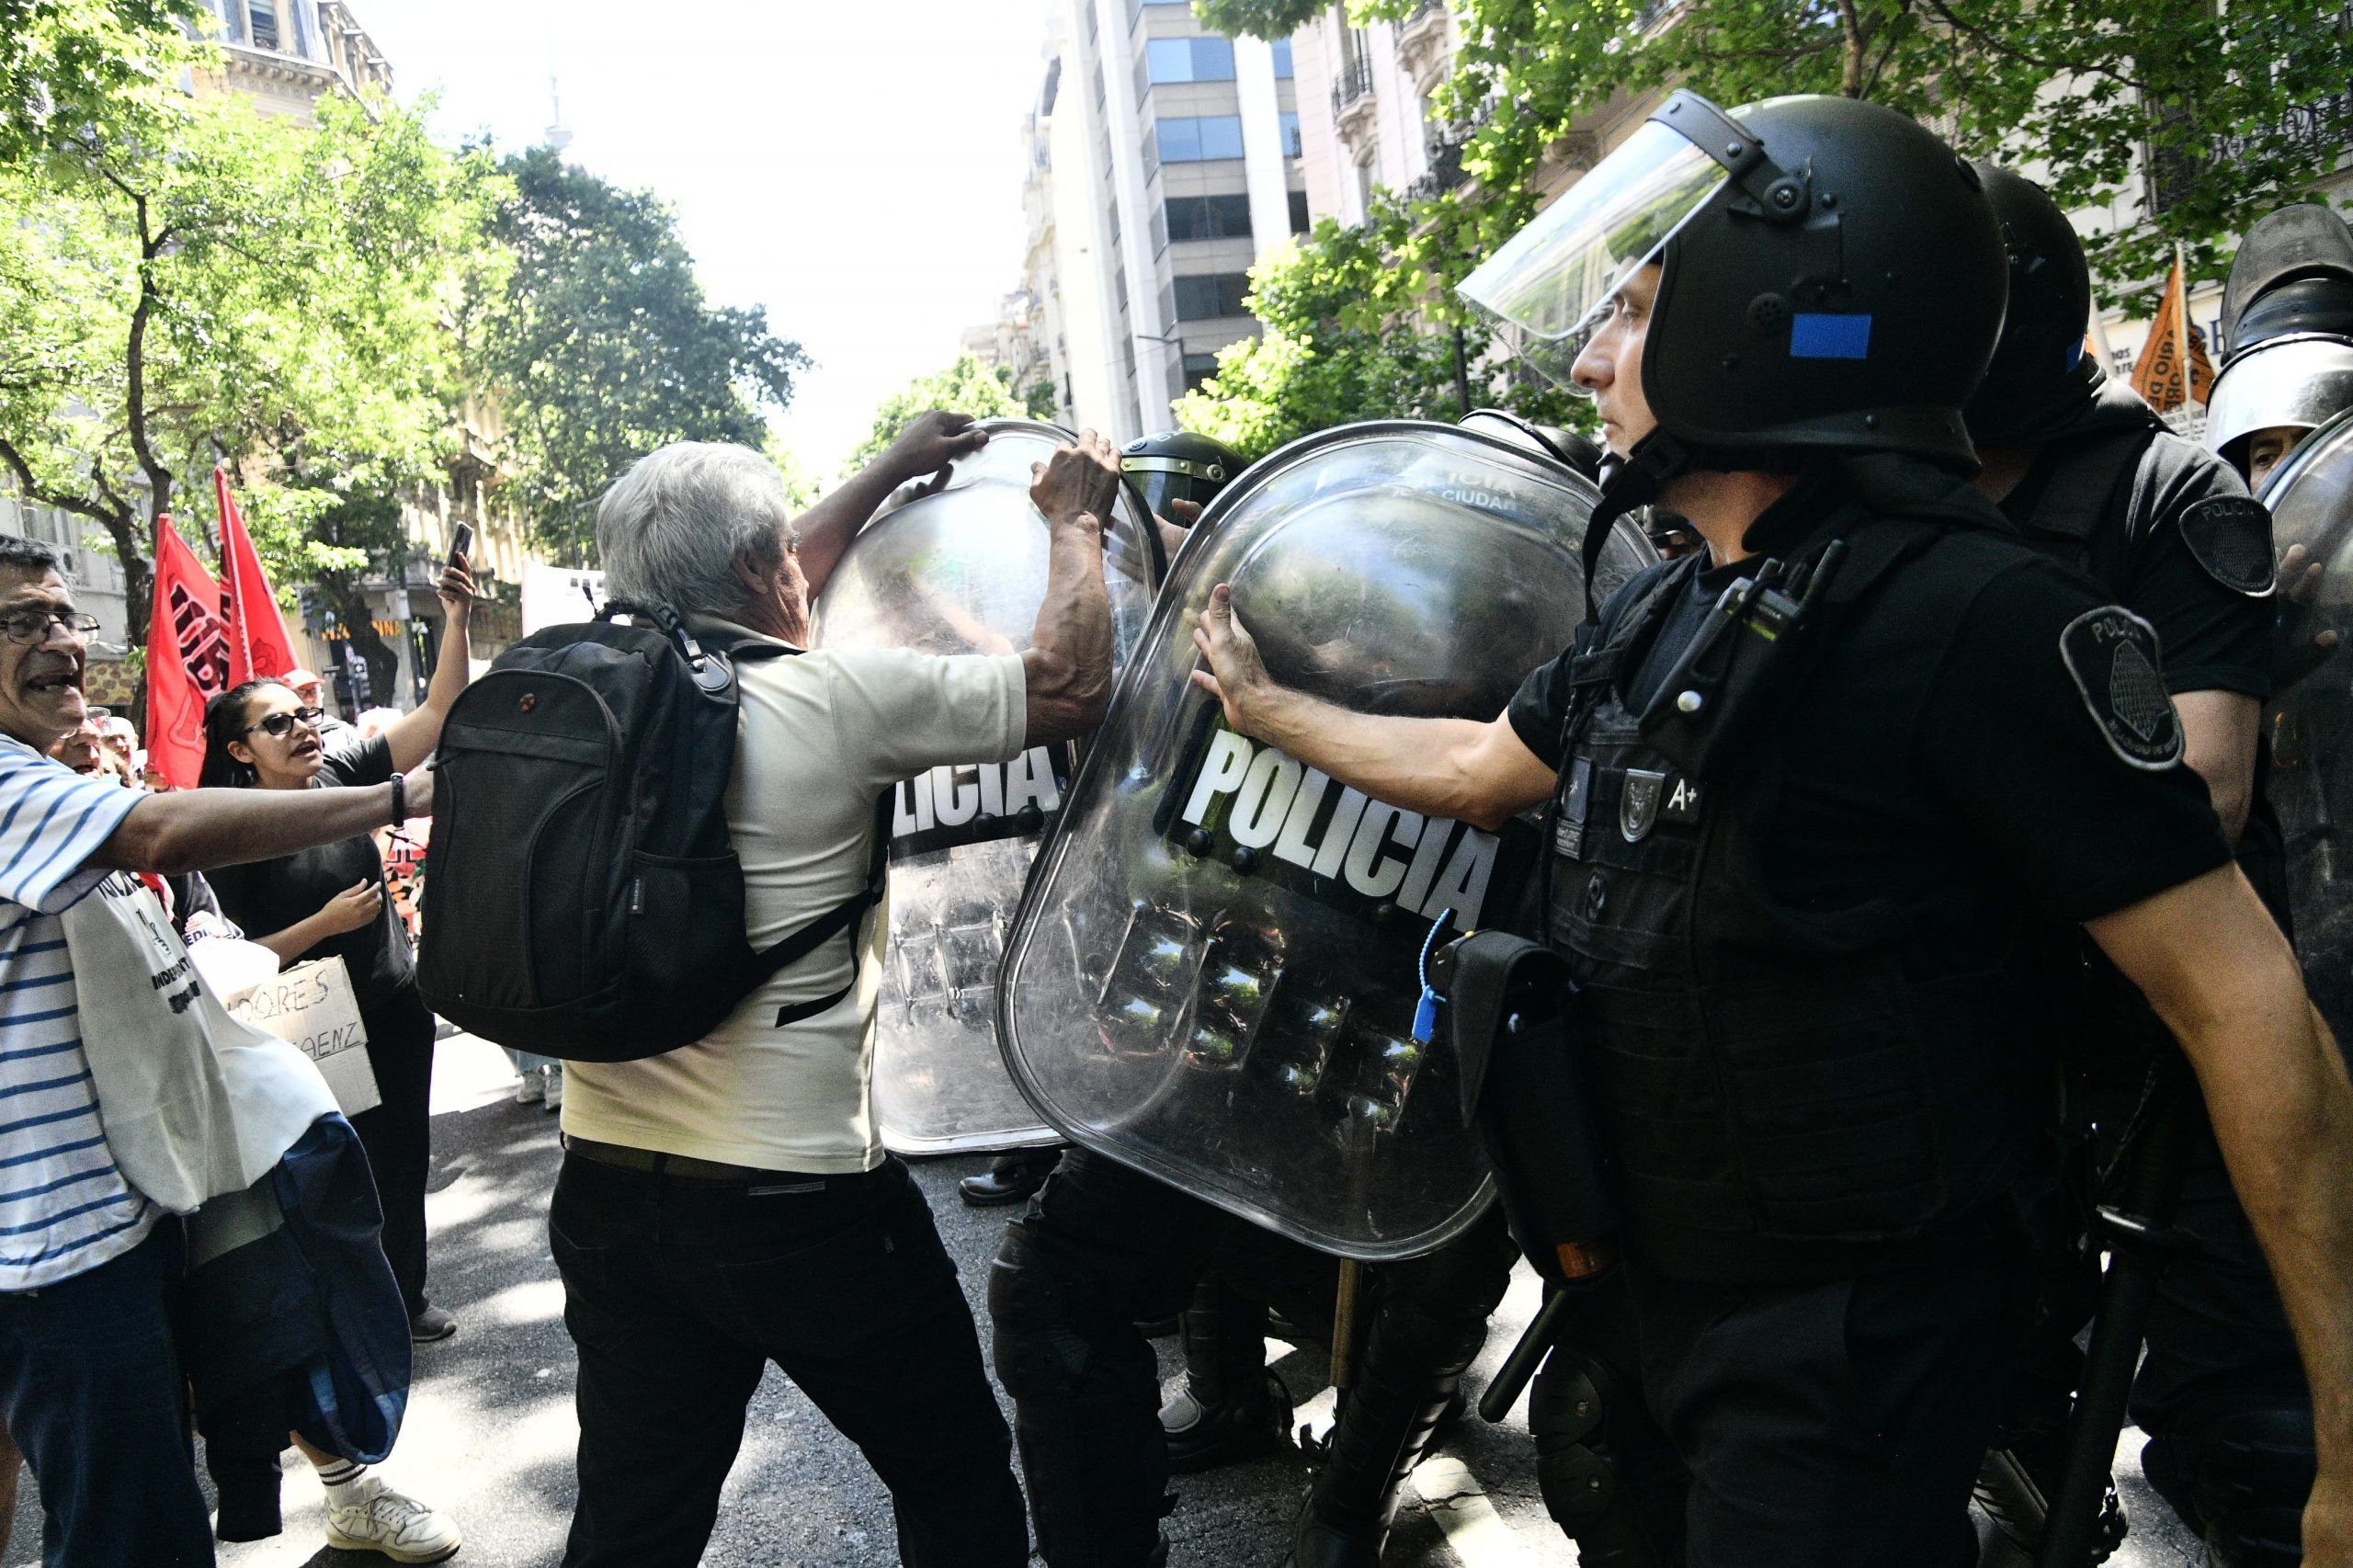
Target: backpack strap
<point x="843" y="917"/>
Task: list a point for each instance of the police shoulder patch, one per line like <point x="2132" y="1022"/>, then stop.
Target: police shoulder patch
<point x="2112" y="656"/>
<point x="2230" y="535"/>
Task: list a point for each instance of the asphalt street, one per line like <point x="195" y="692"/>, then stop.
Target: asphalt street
<point x="490" y="1431"/>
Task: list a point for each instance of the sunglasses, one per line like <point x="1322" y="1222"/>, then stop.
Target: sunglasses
<point x="278" y="726"/>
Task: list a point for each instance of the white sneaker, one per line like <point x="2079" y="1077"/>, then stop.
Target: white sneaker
<point x="371" y="1517"/>
<point x="554" y="1092"/>
<point x="534" y="1087"/>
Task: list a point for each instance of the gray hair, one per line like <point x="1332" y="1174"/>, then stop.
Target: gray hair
<point x="28" y="556"/>
<point x="672" y="529"/>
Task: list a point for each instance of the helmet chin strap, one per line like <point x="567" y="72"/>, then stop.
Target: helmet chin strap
<point x="1627" y="482"/>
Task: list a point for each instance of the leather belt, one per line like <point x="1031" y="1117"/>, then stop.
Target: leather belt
<point x="683" y="1166"/>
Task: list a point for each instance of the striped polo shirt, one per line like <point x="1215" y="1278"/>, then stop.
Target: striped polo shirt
<point x="63" y="1207"/>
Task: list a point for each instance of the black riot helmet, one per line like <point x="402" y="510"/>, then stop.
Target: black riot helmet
<point x="1177" y="465"/>
<point x="2288" y="318"/>
<point x="2040" y="377"/>
<point x="1832" y="280"/>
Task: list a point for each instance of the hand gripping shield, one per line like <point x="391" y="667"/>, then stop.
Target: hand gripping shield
<point x="2311" y="717"/>
<point x="1212" y="977"/>
<point x="962" y="569"/>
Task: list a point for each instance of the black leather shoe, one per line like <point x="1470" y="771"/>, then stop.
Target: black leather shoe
<point x="1010" y="1178"/>
<point x="1317" y="1543"/>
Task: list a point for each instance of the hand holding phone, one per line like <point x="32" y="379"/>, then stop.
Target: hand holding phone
<point x="462" y="546"/>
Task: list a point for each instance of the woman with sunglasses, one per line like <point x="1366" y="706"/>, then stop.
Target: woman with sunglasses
<point x="330" y="903"/>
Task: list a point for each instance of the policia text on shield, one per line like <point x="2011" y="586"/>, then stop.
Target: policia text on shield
<point x="1810" y="1006"/>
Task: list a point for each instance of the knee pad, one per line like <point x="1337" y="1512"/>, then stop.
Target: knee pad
<point x="2238" y="1470"/>
<point x="1039" y="1342"/>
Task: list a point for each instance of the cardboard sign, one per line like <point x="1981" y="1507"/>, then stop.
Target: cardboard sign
<point x="312" y="1007"/>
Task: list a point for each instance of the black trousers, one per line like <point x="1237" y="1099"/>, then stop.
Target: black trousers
<point x="398" y="1134"/>
<point x="679" y="1292"/>
<point x="1103" y="1248"/>
<point x="1837" y="1425"/>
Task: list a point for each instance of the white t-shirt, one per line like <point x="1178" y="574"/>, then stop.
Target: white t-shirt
<point x="64" y="1208"/>
<point x="819" y="737"/>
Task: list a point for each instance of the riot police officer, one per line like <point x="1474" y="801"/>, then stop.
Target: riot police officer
<point x="1813" y="796"/>
<point x="2095" y="479"/>
<point x="2288" y="322"/>
<point x="1104" y="1247"/>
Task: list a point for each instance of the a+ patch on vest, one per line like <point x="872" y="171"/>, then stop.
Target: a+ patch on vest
<point x="1648" y="796"/>
<point x="2112" y="655"/>
<point x="2230" y="535"/>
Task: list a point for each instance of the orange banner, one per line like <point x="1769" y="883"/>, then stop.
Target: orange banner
<point x="2159" y="374"/>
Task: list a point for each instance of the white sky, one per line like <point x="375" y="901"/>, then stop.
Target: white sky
<point x="853" y="166"/>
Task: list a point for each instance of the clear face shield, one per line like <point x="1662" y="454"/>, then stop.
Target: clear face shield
<point x="1549" y="289"/>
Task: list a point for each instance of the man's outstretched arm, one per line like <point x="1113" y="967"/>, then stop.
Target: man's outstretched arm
<point x="1476" y="772"/>
<point x="2216" y="968"/>
<point x="928" y="444"/>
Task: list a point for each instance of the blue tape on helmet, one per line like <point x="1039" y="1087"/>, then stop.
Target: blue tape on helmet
<point x="1815" y="335"/>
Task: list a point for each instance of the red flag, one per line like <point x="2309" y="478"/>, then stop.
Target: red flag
<point x="258" y="646"/>
<point x="187" y="658"/>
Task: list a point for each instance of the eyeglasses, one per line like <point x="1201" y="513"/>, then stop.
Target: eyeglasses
<point x="278" y="726"/>
<point x="32" y="625"/>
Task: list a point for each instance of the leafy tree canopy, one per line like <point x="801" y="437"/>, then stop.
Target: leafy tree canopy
<point x="600" y="345"/>
<point x="966" y="386"/>
<point x="1332" y="349"/>
<point x="210" y="283"/>
<point x="2238" y="108"/>
<point x="67" y="62"/>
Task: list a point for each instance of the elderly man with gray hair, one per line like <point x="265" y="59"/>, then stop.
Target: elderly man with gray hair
<point x="729" y="1204"/>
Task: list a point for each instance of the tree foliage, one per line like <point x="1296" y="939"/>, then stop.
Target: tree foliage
<point x="67" y="62"/>
<point x="1359" y="323"/>
<point x="599" y="346"/>
<point x="966" y="386"/>
<point x="207" y="283"/>
<point x="2237" y="108"/>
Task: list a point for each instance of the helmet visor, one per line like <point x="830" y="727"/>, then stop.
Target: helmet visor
<point x="1549" y="286"/>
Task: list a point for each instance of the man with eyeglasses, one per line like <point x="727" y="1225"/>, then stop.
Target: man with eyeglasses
<point x="90" y="1384"/>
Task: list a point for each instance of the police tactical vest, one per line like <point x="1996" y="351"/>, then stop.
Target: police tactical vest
<point x="1786" y="1094"/>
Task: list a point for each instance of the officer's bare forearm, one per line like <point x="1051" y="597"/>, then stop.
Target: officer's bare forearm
<point x="195" y="830"/>
<point x="1067" y="668"/>
<point x="2219" y="732"/>
<point x="1440" y="768"/>
<point x="2224" y="980"/>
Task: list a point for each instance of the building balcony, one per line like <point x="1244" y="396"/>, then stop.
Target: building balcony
<point x="1352" y="100"/>
<point x="1426" y="45"/>
<point x="1445" y="173"/>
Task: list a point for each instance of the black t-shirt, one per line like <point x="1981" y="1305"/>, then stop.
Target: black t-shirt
<point x="2214" y="638"/>
<point x="267" y="896"/>
<point x="1914" y="765"/>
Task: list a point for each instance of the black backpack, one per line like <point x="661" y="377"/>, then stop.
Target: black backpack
<point x="584" y="900"/>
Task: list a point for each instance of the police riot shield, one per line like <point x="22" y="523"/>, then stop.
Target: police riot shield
<point x="1212" y="977"/>
<point x="2310" y="728"/>
<point x="960" y="568"/>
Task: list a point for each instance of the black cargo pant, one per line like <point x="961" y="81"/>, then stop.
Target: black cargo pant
<point x="678" y="1292"/>
<point x="1837" y="1425"/>
<point x="1103" y="1248"/>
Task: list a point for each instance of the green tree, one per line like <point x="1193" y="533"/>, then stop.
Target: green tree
<point x="966" y="386"/>
<point x="207" y="283"/>
<point x="67" y="62"/>
<point x="600" y="345"/>
<point x="1358" y="323"/>
<point x="2236" y="109"/>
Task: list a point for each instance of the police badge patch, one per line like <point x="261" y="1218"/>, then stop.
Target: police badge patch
<point x="1638" y="805"/>
<point x="2111" y="654"/>
<point x="2230" y="535"/>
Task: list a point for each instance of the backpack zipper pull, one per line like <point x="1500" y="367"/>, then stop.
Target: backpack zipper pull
<point x="637" y="896"/>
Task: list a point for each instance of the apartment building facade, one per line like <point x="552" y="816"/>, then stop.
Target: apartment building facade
<point x="1164" y="161"/>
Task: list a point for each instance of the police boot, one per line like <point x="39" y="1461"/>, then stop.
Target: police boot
<point x="1407" y="1384"/>
<point x="1231" y="1407"/>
